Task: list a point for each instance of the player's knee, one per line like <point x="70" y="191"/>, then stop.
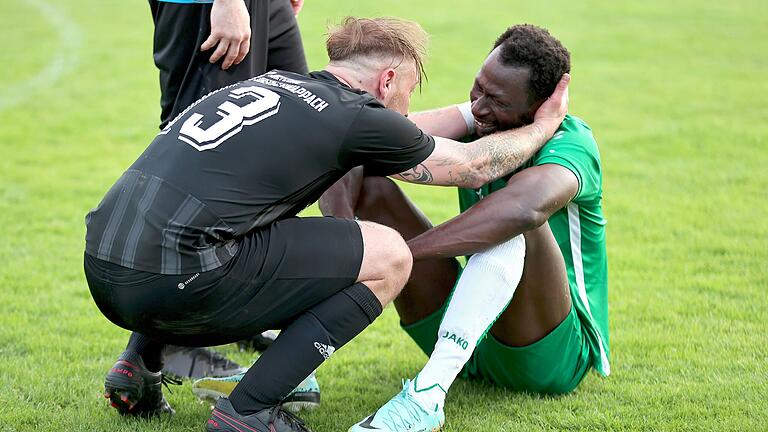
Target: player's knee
<point x="387" y="260"/>
<point x="398" y="258"/>
<point x="402" y="261"/>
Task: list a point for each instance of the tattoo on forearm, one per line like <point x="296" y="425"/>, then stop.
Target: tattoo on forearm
<point x="503" y="153"/>
<point x="487" y="159"/>
<point x="417" y="174"/>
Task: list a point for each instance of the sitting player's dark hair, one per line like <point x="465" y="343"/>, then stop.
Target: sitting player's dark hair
<point x="529" y="46"/>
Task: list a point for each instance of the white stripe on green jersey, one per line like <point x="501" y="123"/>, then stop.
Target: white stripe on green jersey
<point x="574" y="233"/>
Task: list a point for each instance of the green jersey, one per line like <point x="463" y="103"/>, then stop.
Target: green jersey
<point x="579" y="228"/>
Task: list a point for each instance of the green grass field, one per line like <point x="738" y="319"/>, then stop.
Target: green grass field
<point x="675" y="92"/>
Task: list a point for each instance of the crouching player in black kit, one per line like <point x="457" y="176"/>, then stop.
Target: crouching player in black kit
<point x="198" y="242"/>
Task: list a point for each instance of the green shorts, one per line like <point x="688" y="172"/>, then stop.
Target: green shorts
<point x="556" y="364"/>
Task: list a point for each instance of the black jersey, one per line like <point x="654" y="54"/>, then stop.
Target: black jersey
<point x="239" y="159"/>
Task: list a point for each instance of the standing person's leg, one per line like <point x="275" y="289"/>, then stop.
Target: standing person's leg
<point x="178" y="34"/>
<point x="186" y="73"/>
<point x="285" y="49"/>
<point x="213" y="77"/>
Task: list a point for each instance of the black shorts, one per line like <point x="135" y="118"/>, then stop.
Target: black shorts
<point x="279" y="272"/>
<point x="186" y="74"/>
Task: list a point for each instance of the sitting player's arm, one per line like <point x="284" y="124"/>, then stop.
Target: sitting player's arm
<point x="529" y="199"/>
<point x="471" y="165"/>
<point x="452" y="122"/>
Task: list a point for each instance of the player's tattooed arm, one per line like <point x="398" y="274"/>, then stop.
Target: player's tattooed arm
<point x="417" y="174"/>
<point x="473" y="164"/>
<point x="491" y="157"/>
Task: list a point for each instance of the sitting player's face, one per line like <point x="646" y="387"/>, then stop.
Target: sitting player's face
<point x="499" y="96"/>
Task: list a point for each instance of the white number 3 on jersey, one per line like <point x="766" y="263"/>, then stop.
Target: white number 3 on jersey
<point x="263" y="103"/>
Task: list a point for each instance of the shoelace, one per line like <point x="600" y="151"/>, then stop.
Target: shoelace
<point x="165" y="380"/>
<point x="291" y="419"/>
<point x="402" y="412"/>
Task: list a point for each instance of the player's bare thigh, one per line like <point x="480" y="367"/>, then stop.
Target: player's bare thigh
<point x="386" y="262"/>
<point x="542" y="299"/>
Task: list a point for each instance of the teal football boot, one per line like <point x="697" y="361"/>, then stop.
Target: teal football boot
<point x="403" y="413"/>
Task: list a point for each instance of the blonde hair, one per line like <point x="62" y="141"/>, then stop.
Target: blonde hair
<point x="378" y="37"/>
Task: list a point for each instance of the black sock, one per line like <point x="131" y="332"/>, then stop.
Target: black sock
<point x="150" y="350"/>
<point x="303" y="346"/>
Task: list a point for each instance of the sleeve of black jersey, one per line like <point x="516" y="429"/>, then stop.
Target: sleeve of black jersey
<point x="384" y="142"/>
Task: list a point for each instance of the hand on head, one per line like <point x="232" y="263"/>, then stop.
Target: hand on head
<point x="552" y="112"/>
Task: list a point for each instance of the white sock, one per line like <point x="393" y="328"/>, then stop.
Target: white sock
<point x="483" y="292"/>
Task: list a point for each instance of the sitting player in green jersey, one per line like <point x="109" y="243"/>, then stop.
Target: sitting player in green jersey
<point x="529" y="310"/>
